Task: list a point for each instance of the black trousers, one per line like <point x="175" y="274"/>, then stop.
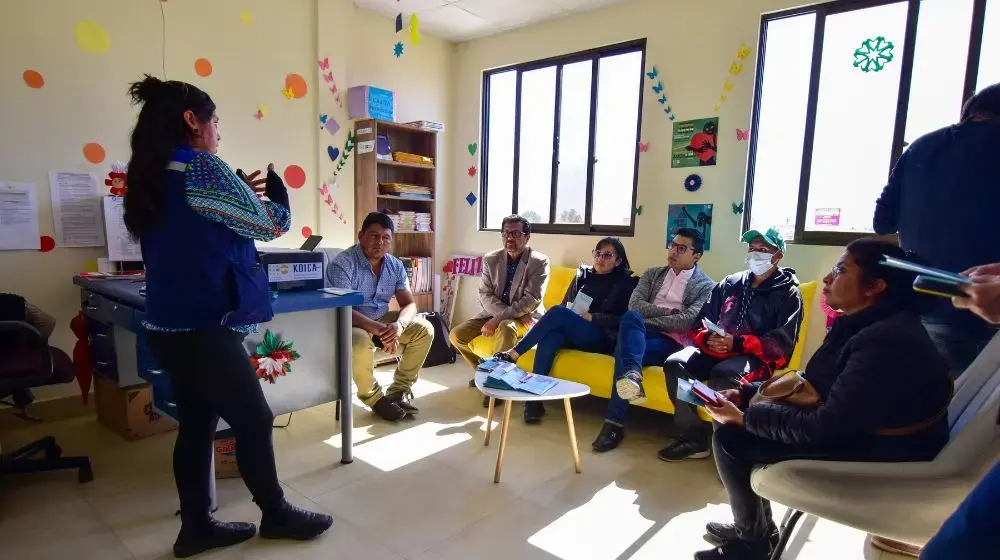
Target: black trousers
<point x="737" y="452"/>
<point x="212" y="377"/>
<point x="717" y="374"/>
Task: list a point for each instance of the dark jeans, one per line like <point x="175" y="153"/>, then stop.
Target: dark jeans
<point x="970" y="532"/>
<point x="959" y="345"/>
<point x="635" y="348"/>
<point x="737" y="452"/>
<point x="561" y="327"/>
<point x="211" y="376"/>
<point x="717" y="374"/>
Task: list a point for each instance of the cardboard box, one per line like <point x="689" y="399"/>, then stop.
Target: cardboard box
<point x="225" y="458"/>
<point x="370" y="102"/>
<point x="128" y="411"/>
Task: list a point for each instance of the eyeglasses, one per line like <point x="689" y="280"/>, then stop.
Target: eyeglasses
<point x="681" y="249"/>
<point x="838" y="270"/>
<point x="605" y="255"/>
<point x="512" y="234"/>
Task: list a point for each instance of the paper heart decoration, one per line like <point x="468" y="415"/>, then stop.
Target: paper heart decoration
<point x="334" y="153"/>
<point x="472" y="148"/>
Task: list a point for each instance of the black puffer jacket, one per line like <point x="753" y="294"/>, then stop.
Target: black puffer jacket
<point x="611" y="293"/>
<point x="876" y="369"/>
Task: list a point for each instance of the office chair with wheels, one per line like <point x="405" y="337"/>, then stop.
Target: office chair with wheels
<point x="907" y="502"/>
<point x="27" y="361"/>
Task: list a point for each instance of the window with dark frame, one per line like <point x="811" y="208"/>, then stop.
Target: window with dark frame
<point x="826" y="133"/>
<point x="560" y="141"/>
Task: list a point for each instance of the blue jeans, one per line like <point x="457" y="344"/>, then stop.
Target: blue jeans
<point x="561" y="327"/>
<point x="970" y="532"/>
<point x="636" y="348"/>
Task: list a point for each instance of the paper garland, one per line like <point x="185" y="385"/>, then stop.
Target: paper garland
<point x="658" y="90"/>
<point x="346" y="152"/>
<point x="873" y="54"/>
<point x="273" y="357"/>
<point x="326" y="195"/>
<point x="735" y="69"/>
<point x="324" y="66"/>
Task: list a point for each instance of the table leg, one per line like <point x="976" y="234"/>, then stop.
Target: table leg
<point x="572" y="435"/>
<point x="503" y="439"/>
<point x="343" y="351"/>
<point x="489" y="422"/>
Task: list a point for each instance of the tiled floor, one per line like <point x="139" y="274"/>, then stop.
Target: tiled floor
<point x="421" y="489"/>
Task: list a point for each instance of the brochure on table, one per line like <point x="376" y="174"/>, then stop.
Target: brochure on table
<point x="508" y="377"/>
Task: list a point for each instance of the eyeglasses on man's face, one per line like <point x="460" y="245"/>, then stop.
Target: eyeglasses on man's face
<point x="512" y="234"/>
<point x="679" y="248"/>
<point x="605" y="255"/>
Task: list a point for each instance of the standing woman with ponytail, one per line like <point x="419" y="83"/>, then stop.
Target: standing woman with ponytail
<point x="205" y="290"/>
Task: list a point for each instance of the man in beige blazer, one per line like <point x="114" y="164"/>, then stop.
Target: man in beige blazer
<point x="510" y="292"/>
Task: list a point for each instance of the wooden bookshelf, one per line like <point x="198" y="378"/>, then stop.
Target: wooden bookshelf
<point x="369" y="171"/>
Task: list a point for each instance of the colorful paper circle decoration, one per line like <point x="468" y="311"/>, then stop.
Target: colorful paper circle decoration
<point x="692" y="183"/>
<point x="873" y="54"/>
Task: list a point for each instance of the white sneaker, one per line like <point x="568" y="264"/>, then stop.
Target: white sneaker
<point x="630" y="388"/>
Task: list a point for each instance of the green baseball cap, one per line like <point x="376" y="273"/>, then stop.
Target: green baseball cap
<point x="771" y="237"/>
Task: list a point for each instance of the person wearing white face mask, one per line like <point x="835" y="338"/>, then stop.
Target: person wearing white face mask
<point x="760" y="311"/>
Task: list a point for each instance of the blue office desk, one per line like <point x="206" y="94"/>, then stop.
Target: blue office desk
<point x="115" y="310"/>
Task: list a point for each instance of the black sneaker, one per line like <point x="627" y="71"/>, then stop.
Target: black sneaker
<point x="609" y="438"/>
<point x="685" y="449"/>
<point x="630" y="388"/>
<point x="213" y="534"/>
<point x="720" y="533"/>
<point x="533" y="412"/>
<point x="402" y="400"/>
<point x="503" y="357"/>
<point x="388" y="410"/>
<point x="293" y="523"/>
<point x="736" y="550"/>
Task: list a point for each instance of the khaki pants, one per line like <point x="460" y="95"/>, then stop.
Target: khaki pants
<point x="414" y="344"/>
<point x="508" y="333"/>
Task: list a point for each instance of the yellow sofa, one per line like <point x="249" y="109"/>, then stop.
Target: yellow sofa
<point x="597" y="370"/>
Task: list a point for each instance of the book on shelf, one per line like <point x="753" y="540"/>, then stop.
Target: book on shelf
<point x="419" y="271"/>
<point x="405" y="189"/>
<point x="407" y="220"/>
<point x="427" y="125"/>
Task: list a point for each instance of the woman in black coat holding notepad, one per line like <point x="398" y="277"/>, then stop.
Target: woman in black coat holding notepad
<point x="588" y="319"/>
<point x="881" y="393"/>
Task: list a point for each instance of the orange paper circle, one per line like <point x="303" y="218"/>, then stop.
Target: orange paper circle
<point x="94" y="152"/>
<point x="295" y="177"/>
<point x="33" y="79"/>
<point x="203" y="67"/>
<point x="307" y="231"/>
<point x="298" y="85"/>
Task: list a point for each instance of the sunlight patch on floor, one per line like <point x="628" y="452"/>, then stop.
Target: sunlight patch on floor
<point x="392" y="451"/>
<point x="611" y="518"/>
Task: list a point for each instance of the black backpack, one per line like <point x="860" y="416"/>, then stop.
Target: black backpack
<point x="442" y="351"/>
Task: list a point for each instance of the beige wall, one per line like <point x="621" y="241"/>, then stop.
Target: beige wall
<point x="84" y="100"/>
<point x="692" y="44"/>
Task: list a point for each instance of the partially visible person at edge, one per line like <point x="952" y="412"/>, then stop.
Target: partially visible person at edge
<point x="369" y="267"/>
<point x="941" y="198"/>
<point x="661" y="311"/>
<point x="877" y="345"/>
<point x="197" y="221"/>
<point x="970" y="532"/>
<point x="609" y="284"/>
<point x="510" y="293"/>
<point x="760" y="309"/>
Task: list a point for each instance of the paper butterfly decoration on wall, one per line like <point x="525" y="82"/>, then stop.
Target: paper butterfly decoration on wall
<point x="727" y="85"/>
<point x="738" y="208"/>
<point x="638" y="210"/>
<point x="662" y="99"/>
<point x="324" y="64"/>
<point x="327" y="197"/>
<point x="328" y="77"/>
<point x="743" y="53"/>
<point x="735" y="68"/>
<point x="261" y="112"/>
<point x="288" y="93"/>
<point x="658" y="88"/>
<point x="643" y="147"/>
<point x="669" y="112"/>
<point x="742" y="135"/>
<point x="653" y="73"/>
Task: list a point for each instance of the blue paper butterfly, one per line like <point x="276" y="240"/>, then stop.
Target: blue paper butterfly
<point x="658" y="88"/>
<point x="662" y="99"/>
<point x="653" y="73"/>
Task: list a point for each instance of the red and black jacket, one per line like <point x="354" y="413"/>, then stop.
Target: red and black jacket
<point x="764" y="321"/>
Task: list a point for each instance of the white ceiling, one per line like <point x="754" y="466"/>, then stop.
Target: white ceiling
<point x="462" y="20"/>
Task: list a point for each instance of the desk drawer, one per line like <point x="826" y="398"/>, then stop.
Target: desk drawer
<point x="100" y="308"/>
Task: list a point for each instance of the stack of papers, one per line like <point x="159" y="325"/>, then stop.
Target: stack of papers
<point x="508" y="377"/>
<point x="427" y="125"/>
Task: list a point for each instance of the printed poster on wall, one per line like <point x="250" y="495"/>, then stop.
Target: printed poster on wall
<point x="695" y="216"/>
<point x="695" y="143"/>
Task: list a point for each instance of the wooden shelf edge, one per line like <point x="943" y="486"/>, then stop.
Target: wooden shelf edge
<point x="394" y="163"/>
<point x="395" y="197"/>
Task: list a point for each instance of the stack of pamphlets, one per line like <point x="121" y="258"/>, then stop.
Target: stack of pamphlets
<point x="508" y="377"/>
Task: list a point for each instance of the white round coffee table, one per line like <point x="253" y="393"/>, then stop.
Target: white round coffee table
<point x="564" y="390"/>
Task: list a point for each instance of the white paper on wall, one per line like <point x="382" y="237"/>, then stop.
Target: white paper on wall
<point x="18" y="217"/>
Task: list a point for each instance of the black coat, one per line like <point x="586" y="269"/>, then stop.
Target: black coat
<point x="876" y="369"/>
<point x="610" y="302"/>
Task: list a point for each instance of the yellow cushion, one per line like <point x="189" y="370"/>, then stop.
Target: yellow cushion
<point x="808" y="291"/>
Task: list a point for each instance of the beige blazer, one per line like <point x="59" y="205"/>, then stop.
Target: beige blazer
<point x="530" y="280"/>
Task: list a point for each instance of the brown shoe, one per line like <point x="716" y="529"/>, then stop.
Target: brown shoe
<point x="897" y="547"/>
<point x="388" y="410"/>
